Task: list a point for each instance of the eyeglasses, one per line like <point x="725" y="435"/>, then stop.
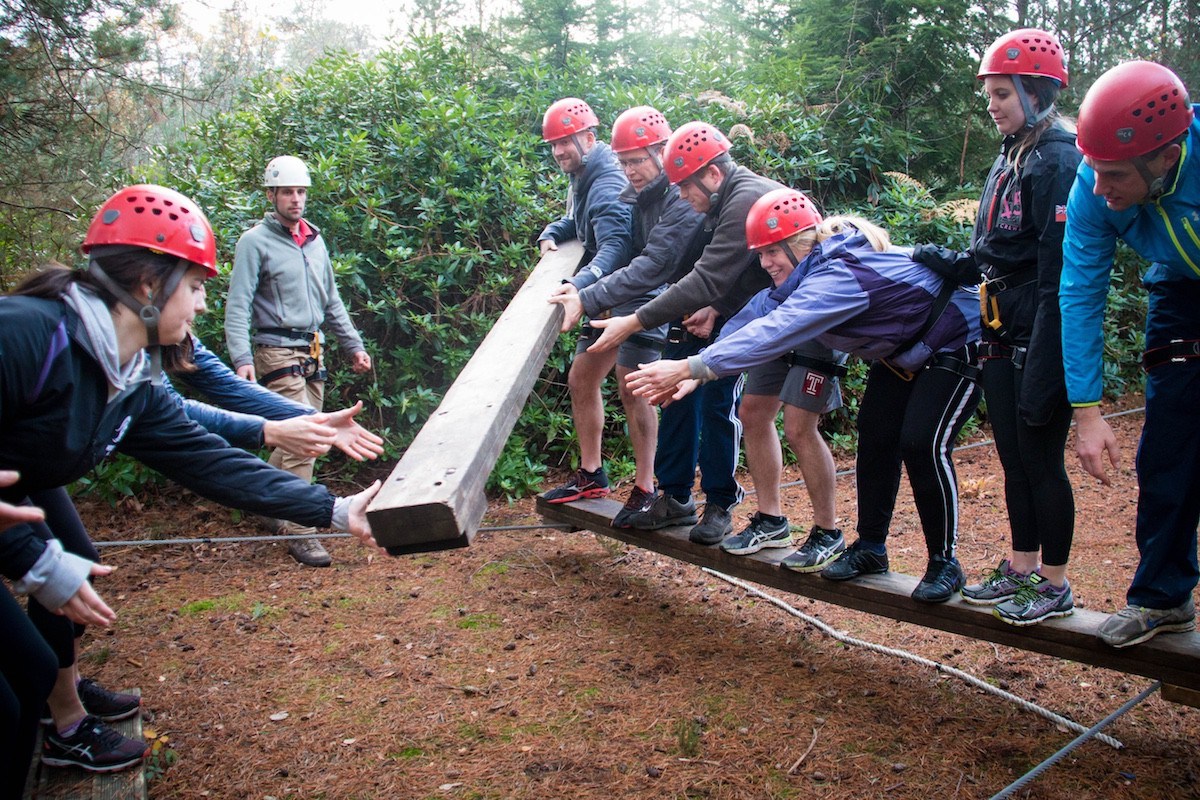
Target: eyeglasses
<point x="628" y="163"/>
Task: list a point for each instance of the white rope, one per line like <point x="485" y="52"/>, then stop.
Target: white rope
<point x="889" y="651"/>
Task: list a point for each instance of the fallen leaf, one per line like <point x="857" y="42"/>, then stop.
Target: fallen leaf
<point x="279" y="716"/>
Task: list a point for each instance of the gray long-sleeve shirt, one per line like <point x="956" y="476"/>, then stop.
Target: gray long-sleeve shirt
<point x="281" y="285"/>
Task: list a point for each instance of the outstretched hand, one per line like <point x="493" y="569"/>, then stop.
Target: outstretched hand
<point x="85" y="606"/>
<point x="351" y="438"/>
<point x="657" y="381"/>
<point x="613" y="331"/>
<point x="360" y="527"/>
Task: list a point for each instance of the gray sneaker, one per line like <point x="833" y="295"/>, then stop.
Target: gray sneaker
<point x="759" y="534"/>
<point x="820" y="550"/>
<point x="664" y="513"/>
<point x="309" y="552"/>
<point x="715" y="525"/>
<point x="1134" y="624"/>
<point x="999" y="585"/>
<point x="1037" y="600"/>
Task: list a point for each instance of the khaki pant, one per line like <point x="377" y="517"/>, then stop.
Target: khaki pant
<point x="294" y="387"/>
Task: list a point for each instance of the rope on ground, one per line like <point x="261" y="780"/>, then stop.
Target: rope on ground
<point x="1057" y="719"/>
<point x="1020" y="783"/>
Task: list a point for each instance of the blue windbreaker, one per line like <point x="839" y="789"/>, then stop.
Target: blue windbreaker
<point x="849" y="297"/>
<point x="1165" y="232"/>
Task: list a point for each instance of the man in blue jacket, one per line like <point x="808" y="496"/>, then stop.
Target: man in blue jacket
<point x="603" y="224"/>
<point x="1140" y="182"/>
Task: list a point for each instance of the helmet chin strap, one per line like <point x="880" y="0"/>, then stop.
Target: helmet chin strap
<point x="583" y="157"/>
<point x="1032" y="117"/>
<point x="149" y="313"/>
<point x="1155" y="184"/>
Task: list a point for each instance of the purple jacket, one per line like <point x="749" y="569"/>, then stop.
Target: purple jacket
<point x="848" y="297"/>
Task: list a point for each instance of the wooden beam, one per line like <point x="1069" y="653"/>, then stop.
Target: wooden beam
<point x="434" y="498"/>
<point x="1172" y="658"/>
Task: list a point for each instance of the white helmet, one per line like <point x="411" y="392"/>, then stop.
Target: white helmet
<point x="286" y="171"/>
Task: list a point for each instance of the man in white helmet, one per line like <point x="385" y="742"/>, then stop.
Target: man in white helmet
<point x="282" y="287"/>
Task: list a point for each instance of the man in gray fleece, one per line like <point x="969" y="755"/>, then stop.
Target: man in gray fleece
<point x="283" y="286"/>
<point x="726" y="275"/>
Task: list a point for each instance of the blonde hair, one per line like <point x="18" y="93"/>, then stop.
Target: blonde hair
<point x="803" y="242"/>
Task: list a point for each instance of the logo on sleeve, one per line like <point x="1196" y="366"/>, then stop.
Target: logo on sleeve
<point x="1060" y="213"/>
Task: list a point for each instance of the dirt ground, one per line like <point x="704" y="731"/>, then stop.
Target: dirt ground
<point x="541" y="664"/>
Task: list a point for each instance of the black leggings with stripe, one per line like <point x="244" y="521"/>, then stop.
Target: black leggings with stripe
<point x="914" y="423"/>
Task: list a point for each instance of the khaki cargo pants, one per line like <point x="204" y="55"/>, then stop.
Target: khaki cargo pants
<point x="267" y="359"/>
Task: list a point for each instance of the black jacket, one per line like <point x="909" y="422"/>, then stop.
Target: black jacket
<point x="56" y="424"/>
<point x="668" y="237"/>
<point x="1019" y="233"/>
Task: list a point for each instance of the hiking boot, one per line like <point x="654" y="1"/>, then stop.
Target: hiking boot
<point x="583" y="485"/>
<point x="93" y="746"/>
<point x="999" y="585"/>
<point x="943" y="577"/>
<point x="818" y="551"/>
<point x="1134" y="624"/>
<point x="856" y="560"/>
<point x="665" y="512"/>
<point x="105" y="705"/>
<point x="640" y="502"/>
<point x="759" y="534"/>
<point x="1037" y="600"/>
<point x="715" y="525"/>
<point x="309" y="552"/>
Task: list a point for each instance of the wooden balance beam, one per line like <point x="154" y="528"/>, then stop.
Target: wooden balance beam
<point x="434" y="499"/>
<point x="1172" y="658"/>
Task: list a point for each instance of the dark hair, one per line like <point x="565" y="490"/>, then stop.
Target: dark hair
<point x="1044" y="91"/>
<point x="128" y="270"/>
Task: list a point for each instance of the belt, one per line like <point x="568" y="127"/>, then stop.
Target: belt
<point x="991" y="350"/>
<point x="1178" y="351"/>
<point x="1012" y="280"/>
<point x="289" y="333"/>
<point x="830" y="368"/>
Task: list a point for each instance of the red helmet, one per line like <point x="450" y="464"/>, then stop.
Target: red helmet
<point x="158" y="219"/>
<point x="779" y="215"/>
<point x="1027" y="51"/>
<point x="566" y="117"/>
<point x="690" y="148"/>
<point x="637" y="128"/>
<point x="1131" y="110"/>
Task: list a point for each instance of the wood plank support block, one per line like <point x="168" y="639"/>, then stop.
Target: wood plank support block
<point x="434" y="499"/>
<point x="1172" y="658"/>
<point x="1178" y="694"/>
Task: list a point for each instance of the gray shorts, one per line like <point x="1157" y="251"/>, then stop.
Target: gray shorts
<point x="799" y="386"/>
<point x="637" y="349"/>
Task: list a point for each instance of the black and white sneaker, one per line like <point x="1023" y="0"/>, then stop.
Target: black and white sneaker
<point x="94" y="747"/>
<point x="760" y="533"/>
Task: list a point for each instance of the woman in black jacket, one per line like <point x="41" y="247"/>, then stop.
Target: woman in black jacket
<point x="74" y="388"/>
<point x="1017" y="246"/>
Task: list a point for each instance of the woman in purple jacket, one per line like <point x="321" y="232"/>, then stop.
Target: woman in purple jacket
<point x="841" y="284"/>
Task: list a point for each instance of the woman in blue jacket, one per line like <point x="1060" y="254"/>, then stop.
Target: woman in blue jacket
<point x="72" y="386"/>
<point x="849" y="290"/>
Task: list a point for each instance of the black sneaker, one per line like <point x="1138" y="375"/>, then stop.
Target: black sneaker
<point x="759" y="534"/>
<point x="854" y="561"/>
<point x="665" y="512"/>
<point x="640" y="502"/>
<point x="943" y="577"/>
<point x="583" y="485"/>
<point x="94" y="747"/>
<point x="105" y="705"/>
<point x="715" y="525"/>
